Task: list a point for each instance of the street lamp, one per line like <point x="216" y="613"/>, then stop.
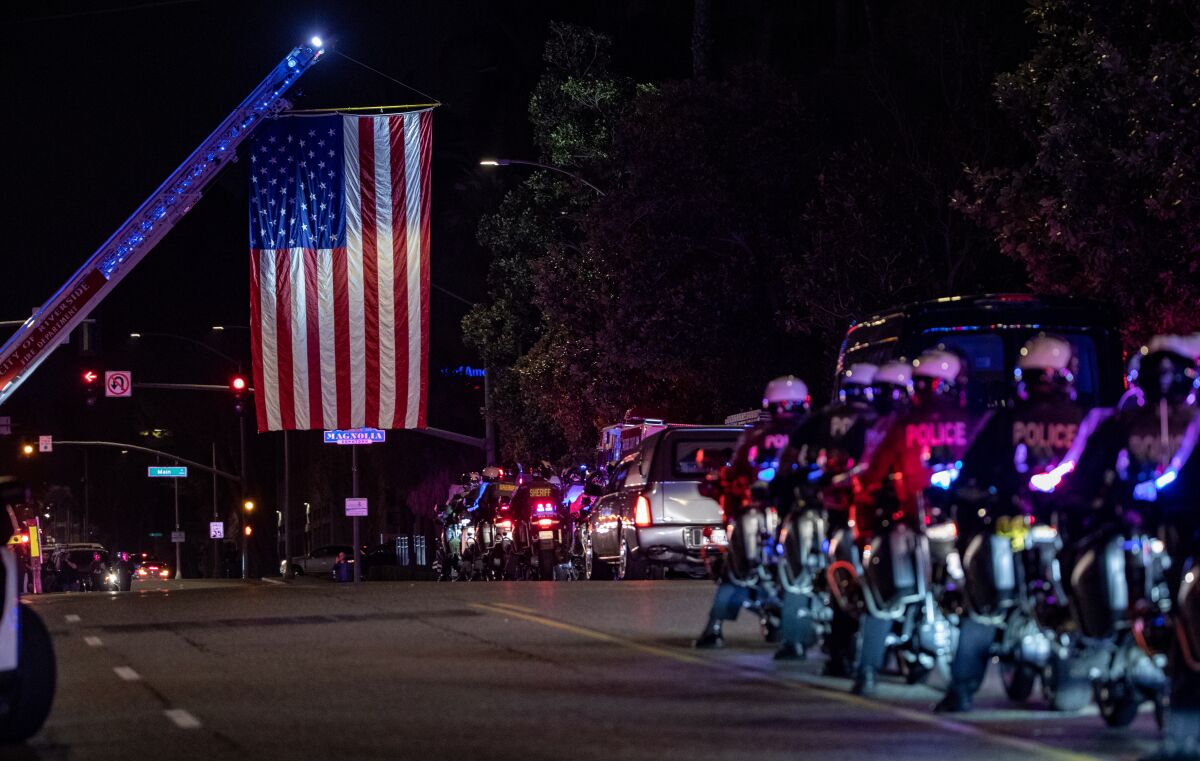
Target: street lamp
<point x="237" y="391"/>
<point x="192" y="341"/>
<point x="509" y="162"/>
<point x="27" y="450"/>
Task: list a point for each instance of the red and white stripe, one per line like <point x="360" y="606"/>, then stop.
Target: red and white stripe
<point x="341" y="337"/>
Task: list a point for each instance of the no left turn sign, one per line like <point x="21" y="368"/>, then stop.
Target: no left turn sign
<point x="118" y="383"/>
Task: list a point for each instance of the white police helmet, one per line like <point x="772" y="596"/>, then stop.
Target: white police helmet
<point x="1045" y="353"/>
<point x="786" y="394"/>
<point x="894" y="373"/>
<point x="938" y="364"/>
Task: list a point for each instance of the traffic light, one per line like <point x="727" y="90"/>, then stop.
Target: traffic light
<point x="238" y="385"/>
<point x="91" y="386"/>
<point x="249" y="530"/>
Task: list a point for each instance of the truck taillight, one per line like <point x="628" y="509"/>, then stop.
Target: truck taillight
<point x="641" y="512"/>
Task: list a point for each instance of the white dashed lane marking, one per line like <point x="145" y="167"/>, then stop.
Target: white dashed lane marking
<point x="92" y="641"/>
<point x="126" y="673"/>
<point x="182" y="718"/>
<point x="71" y="618"/>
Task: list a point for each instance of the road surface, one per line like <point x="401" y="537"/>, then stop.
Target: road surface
<point x="313" y="670"/>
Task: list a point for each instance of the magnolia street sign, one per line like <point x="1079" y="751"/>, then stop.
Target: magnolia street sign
<point x="356" y="436"/>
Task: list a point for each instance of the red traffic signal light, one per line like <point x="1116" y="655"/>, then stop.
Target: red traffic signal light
<point x="238" y="384"/>
<point x="90" y="377"/>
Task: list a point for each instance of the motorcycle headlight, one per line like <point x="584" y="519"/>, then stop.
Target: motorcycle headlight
<point x="942" y="532"/>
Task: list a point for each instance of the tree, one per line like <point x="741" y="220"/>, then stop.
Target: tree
<point x="1104" y="202"/>
<point x="572" y="110"/>
<point x="678" y="294"/>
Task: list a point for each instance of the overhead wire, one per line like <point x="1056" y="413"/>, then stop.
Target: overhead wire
<point x="424" y="95"/>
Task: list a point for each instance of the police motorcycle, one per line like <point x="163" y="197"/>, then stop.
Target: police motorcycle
<point x="1170" y="629"/>
<point x="478" y="519"/>
<point x="581" y="486"/>
<point x="1012" y="585"/>
<point x="457" y="530"/>
<point x="1122" y="574"/>
<point x="27" y="667"/>
<point x="532" y="527"/>
<point x="910" y="566"/>
<point x="827" y="444"/>
<point x="745" y="489"/>
<point x="891" y="394"/>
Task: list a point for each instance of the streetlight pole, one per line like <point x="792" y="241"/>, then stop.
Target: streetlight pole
<point x="178" y="544"/>
<point x="174" y="336"/>
<point x="539" y="165"/>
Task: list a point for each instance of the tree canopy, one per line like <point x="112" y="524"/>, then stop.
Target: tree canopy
<point x="738" y="220"/>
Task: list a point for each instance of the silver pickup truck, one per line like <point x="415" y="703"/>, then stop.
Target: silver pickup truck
<point x="654" y="518"/>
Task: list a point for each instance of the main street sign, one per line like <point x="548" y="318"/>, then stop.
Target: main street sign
<point x="356" y="436"/>
<point x="167" y="471"/>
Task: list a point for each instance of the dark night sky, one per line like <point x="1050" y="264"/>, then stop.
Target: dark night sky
<point x="105" y="103"/>
<point x="105" y="99"/>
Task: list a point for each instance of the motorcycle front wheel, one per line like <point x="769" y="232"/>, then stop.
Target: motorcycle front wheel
<point x="1118" y="703"/>
<point x="32" y="690"/>
<point x="1018" y="679"/>
<point x="1065" y="684"/>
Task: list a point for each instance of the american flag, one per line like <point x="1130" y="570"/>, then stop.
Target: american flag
<point x="339" y="271"/>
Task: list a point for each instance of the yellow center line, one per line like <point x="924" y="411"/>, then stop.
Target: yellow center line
<point x="1017" y="743"/>
<point x="521" y="608"/>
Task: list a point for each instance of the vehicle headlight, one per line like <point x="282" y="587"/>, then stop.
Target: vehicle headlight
<point x="1043" y="533"/>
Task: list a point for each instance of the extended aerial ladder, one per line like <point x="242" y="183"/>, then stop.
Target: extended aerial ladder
<point x="42" y="333"/>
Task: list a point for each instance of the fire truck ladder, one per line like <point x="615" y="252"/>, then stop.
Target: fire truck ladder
<point x="41" y="333"/>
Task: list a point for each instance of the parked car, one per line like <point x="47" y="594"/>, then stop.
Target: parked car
<point x="653" y="518"/>
<point x="68" y="567"/>
<point x="320" y="561"/>
<point x="989" y="330"/>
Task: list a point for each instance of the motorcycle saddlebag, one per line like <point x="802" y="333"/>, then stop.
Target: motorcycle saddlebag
<point x="1188" y="620"/>
<point x="892" y="576"/>
<point x="991" y="581"/>
<point x="1100" y="589"/>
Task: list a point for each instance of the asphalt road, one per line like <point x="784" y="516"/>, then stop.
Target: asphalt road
<point x="312" y="670"/>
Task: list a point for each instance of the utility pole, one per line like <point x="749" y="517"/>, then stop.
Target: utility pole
<point x="489" y="425"/>
<point x="287" y="509"/>
<point x="245" y="514"/>
<point x="87" y="491"/>
<point x="354" y="520"/>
